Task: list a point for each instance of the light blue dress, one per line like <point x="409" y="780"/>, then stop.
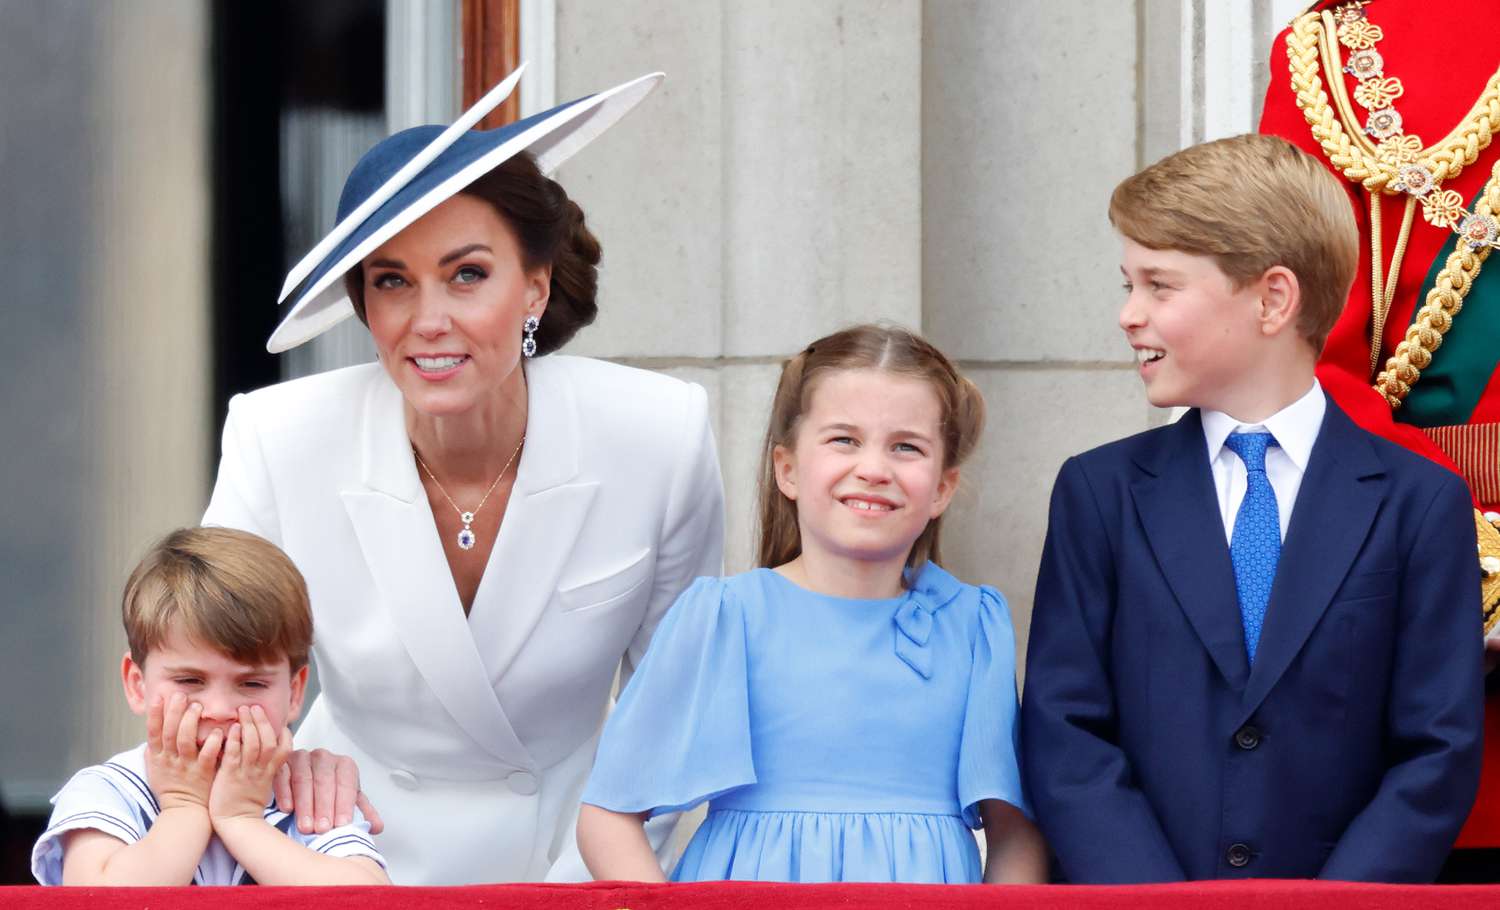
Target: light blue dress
<point x="835" y="739"/>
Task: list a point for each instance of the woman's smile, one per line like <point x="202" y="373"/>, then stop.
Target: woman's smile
<point x="437" y="367"/>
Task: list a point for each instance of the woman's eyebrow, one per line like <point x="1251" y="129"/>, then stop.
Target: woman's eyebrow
<point x="463" y="251"/>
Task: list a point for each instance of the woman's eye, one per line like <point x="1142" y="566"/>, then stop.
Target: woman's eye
<point x="388" y="282"/>
<point x="469" y="274"/>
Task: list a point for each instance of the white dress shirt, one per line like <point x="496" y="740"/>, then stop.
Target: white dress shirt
<point x="1295" y="428"/>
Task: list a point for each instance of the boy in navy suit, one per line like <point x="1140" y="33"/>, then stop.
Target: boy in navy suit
<point x="1254" y="650"/>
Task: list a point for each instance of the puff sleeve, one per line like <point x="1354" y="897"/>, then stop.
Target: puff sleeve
<point x="680" y="734"/>
<point x="987" y="766"/>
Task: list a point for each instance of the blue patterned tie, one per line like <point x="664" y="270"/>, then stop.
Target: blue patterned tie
<point x="1255" y="546"/>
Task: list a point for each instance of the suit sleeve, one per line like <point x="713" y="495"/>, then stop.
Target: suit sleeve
<point x="243" y="496"/>
<point x="1435" y="715"/>
<point x="691" y="545"/>
<point x="692" y="535"/>
<point x="1098" y="822"/>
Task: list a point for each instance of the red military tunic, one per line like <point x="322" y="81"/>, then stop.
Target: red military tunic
<point x="1444" y="57"/>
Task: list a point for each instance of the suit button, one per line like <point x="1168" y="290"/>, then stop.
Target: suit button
<point x="1238" y="856"/>
<point x="1247" y="737"/>
<point x="522" y="782"/>
<point x="405" y="780"/>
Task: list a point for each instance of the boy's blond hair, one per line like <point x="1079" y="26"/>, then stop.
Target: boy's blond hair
<point x="1251" y="202"/>
<point x="227" y="589"/>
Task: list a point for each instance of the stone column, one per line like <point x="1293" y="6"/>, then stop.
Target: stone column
<point x="768" y="193"/>
<point x="1031" y="115"/>
<point x="148" y="328"/>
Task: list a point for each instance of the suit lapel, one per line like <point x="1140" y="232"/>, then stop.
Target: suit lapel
<point x="543" y="518"/>
<point x="399" y="541"/>
<point x="1180" y="514"/>
<point x="1344" y="481"/>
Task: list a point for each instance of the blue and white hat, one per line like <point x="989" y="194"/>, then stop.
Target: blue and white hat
<point x="407" y="175"/>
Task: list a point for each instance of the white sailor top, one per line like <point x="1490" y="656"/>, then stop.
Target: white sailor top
<point x="114" y="798"/>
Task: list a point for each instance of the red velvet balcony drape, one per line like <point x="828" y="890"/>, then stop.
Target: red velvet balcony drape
<point x="1260" y="895"/>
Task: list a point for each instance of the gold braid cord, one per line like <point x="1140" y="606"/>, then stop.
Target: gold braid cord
<point x="1367" y="168"/>
<point x="1489" y="564"/>
<point x="1310" y="49"/>
<point x="1443" y="302"/>
<point x="1388" y="167"/>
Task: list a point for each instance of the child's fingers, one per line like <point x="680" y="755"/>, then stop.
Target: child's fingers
<point x="208" y="756"/>
<point x="250" y="737"/>
<point x="187" y="731"/>
<point x="154" y="723"/>
<point x="171" y="721"/>
<point x="232" y="754"/>
<point x="266" y="733"/>
<point x="283" y="747"/>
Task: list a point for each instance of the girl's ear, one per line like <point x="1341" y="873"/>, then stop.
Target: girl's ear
<point x="947" y="486"/>
<point x="133" y="678"/>
<point x="784" y="463"/>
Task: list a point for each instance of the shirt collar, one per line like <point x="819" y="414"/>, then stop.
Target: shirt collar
<point x="1294" y="426"/>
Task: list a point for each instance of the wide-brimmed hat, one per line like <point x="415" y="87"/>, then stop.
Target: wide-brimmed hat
<point x="409" y="174"/>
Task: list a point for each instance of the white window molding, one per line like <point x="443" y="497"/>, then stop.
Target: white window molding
<point x="539" y="47"/>
<point x="1226" y="62"/>
<point x="421" y="62"/>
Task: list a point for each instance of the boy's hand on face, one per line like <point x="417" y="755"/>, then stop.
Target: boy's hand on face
<point x="180" y="773"/>
<point x="254" y="751"/>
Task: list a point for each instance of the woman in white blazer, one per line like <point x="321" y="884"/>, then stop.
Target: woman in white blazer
<point x="470" y="618"/>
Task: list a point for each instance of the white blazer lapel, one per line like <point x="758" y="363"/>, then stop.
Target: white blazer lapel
<point x="398" y="537"/>
<point x="542" y="520"/>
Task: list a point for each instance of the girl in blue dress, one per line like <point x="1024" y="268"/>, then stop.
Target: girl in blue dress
<point x="849" y="709"/>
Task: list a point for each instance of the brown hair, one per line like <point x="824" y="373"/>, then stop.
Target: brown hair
<point x="1251" y="202"/>
<point x="888" y="348"/>
<point x="550" y="230"/>
<point x="228" y="589"/>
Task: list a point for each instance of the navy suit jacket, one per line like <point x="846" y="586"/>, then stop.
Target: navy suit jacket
<point x="1152" y="751"/>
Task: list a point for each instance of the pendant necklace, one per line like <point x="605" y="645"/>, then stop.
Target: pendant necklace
<point x="466" y="538"/>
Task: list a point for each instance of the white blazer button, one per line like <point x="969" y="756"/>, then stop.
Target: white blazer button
<point x="405" y="780"/>
<point x="522" y="782"/>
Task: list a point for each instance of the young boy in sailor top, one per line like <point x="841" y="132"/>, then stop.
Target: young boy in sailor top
<point x="219" y="630"/>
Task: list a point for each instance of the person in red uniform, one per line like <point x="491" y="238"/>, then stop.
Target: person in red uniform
<point x="1398" y="97"/>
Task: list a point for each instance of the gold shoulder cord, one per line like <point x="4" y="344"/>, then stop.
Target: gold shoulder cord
<point x="1488" y="528"/>
<point x="1397" y="164"/>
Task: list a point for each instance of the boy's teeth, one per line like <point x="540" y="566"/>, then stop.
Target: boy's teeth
<point x="1147" y="355"/>
<point x="438" y="363"/>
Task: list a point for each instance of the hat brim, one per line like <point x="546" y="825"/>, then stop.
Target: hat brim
<point x="552" y="137"/>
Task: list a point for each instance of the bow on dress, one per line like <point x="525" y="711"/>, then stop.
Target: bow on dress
<point x="931" y="590"/>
